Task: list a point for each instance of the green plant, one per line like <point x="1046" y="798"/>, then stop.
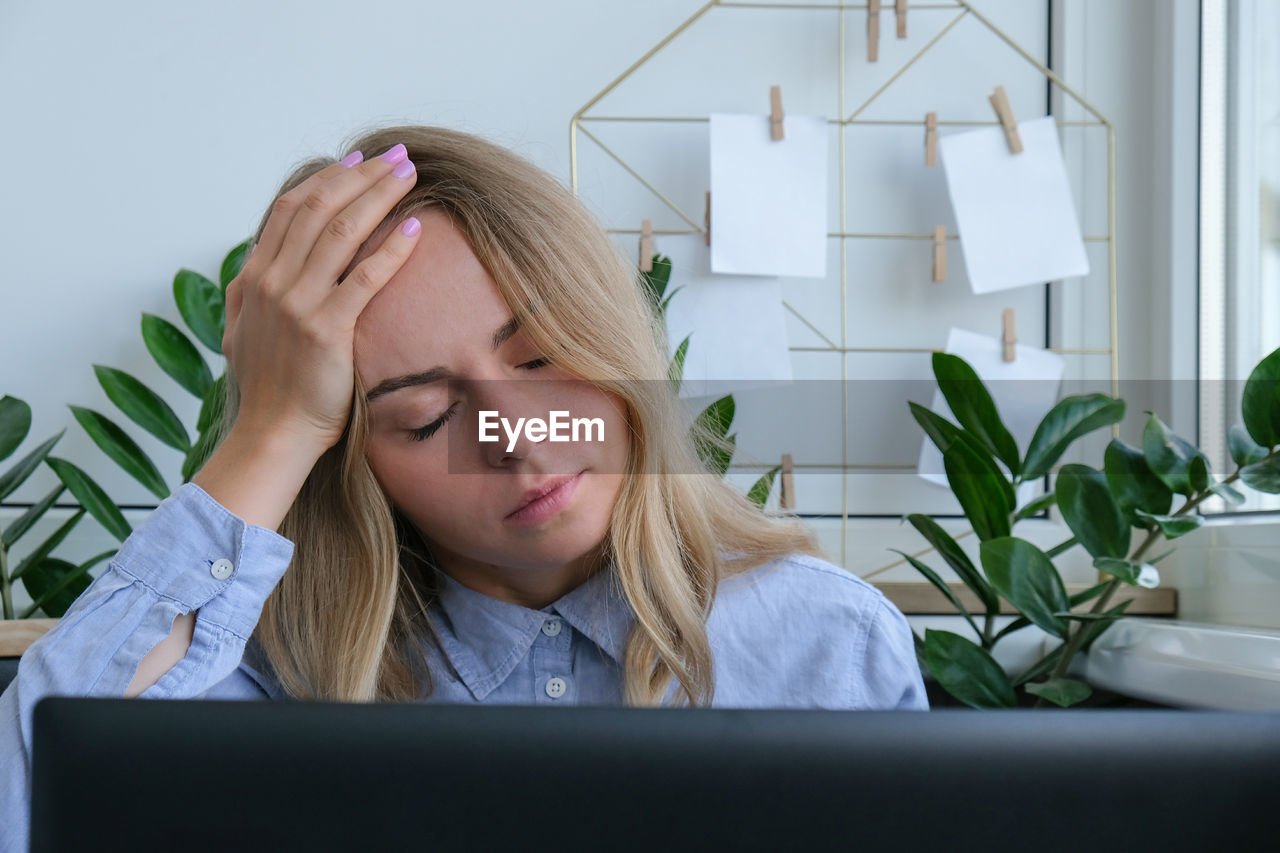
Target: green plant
<point x="1133" y="491"/>
<point x="202" y="305"/>
<point x="51" y="582"/>
<point x="714" y="442"/>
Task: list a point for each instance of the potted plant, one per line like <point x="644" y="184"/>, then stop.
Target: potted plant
<point x="1134" y="491"/>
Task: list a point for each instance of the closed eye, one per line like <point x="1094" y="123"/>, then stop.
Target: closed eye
<point x="425" y="432"/>
<point x="535" y="364"/>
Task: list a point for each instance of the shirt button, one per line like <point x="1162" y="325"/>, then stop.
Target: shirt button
<point x="556" y="688"/>
<point x="551" y="627"/>
<point x="222" y="569"/>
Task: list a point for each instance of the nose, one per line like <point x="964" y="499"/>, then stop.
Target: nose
<point x="515" y="403"/>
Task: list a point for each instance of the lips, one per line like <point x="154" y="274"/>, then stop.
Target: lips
<point x="548" y="486"/>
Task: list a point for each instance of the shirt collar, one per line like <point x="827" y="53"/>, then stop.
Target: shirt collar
<point x="485" y="638"/>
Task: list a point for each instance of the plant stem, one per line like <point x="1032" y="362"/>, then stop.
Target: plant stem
<point x="986" y="631"/>
<point x="5" y="598"/>
<point x="1061" y="546"/>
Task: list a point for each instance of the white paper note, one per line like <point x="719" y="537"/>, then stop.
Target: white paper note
<point x="769" y="199"/>
<point x="1024" y="390"/>
<point x="1017" y="220"/>
<point x="738" y="336"/>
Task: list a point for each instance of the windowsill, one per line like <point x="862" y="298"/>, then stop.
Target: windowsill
<point x="1188" y="664"/>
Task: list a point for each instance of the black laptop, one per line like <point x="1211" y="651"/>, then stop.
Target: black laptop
<point x="188" y="776"/>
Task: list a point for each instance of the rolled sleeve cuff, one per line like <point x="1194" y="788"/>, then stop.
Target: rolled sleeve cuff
<point x="204" y="557"/>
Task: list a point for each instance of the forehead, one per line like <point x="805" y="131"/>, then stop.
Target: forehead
<point x="438" y="305"/>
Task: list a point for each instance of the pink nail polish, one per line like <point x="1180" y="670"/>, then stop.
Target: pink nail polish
<point x="395" y="153"/>
<point x="404" y="170"/>
<point x="411" y="226"/>
<point x="351" y="159"/>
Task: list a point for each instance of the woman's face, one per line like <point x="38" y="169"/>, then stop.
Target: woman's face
<point x="436" y="348"/>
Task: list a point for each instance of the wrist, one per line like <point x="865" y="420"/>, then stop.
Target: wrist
<point x="257" y="474"/>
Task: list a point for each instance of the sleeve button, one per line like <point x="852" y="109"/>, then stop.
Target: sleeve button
<point x="222" y="569"/>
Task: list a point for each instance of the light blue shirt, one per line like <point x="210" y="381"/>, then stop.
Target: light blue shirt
<point x="794" y="633"/>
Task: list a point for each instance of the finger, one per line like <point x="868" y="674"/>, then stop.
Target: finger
<point x="322" y="207"/>
<point x="349" y="229"/>
<point x="344" y="303"/>
<point x="286" y="208"/>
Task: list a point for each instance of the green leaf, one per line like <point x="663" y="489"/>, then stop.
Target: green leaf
<point x="1169" y="456"/>
<point x="655" y="281"/>
<point x="1063" y="692"/>
<point x="212" y="404"/>
<point x="1173" y="526"/>
<point x="957" y="559"/>
<point x="1076" y="600"/>
<point x="23" y="523"/>
<point x="941" y="431"/>
<point x="1227" y="493"/>
<point x="941" y="586"/>
<point x="15" y="423"/>
<point x="202" y="306"/>
<point x="232" y="264"/>
<point x="759" y="493"/>
<point x="1132" y="572"/>
<point x="974" y="409"/>
<point x="1260" y="476"/>
<point x="92" y="497"/>
<point x="114" y="442"/>
<point x="143" y="406"/>
<point x="1133" y="483"/>
<point x="966" y="671"/>
<point x="1089" y="594"/>
<point x="21" y="470"/>
<point x="1067" y="421"/>
<point x="1243" y="449"/>
<point x="1198" y="473"/>
<point x="55" y="584"/>
<point x="46" y="547"/>
<point x="676" y="371"/>
<point x="1038" y="505"/>
<point x="1091" y="511"/>
<point x="1026" y="578"/>
<point x="718" y="417"/>
<point x="176" y="355"/>
<point x="983" y="492"/>
<point x="1260" y="403"/>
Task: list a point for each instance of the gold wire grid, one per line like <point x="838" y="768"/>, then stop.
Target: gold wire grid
<point x="965" y="9"/>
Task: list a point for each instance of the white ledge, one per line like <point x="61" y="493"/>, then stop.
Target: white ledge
<point x="1188" y="664"/>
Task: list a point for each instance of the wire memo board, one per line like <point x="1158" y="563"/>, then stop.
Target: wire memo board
<point x="854" y="115"/>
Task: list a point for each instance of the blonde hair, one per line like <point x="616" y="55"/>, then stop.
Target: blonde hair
<point x="347" y="621"/>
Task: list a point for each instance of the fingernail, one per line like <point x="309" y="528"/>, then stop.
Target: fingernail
<point x="351" y="159"/>
<point x="404" y="170"/>
<point x="395" y="154"/>
<point x="411" y="226"/>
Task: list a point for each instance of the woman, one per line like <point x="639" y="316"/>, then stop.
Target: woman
<point x="422" y="562"/>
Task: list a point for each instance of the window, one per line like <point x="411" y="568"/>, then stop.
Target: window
<point x="1239" y="215"/>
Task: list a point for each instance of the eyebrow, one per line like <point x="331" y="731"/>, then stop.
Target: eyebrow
<point x="500" y="336"/>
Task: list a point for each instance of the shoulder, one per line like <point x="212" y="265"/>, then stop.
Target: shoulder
<point x="801" y="631"/>
<point x="802" y="582"/>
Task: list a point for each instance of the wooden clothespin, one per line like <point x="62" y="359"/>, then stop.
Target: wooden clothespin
<point x="931" y="139"/>
<point x="1010" y="337"/>
<point x="901" y="9"/>
<point x="1004" y="111"/>
<point x="940" y="253"/>
<point x="787" y="497"/>
<point x="646" y="246"/>
<point x="873" y="30"/>
<point x="708" y="219"/>
<point x="775" y="112"/>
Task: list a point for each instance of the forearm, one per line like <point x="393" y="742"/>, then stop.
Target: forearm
<point x="256" y="475"/>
